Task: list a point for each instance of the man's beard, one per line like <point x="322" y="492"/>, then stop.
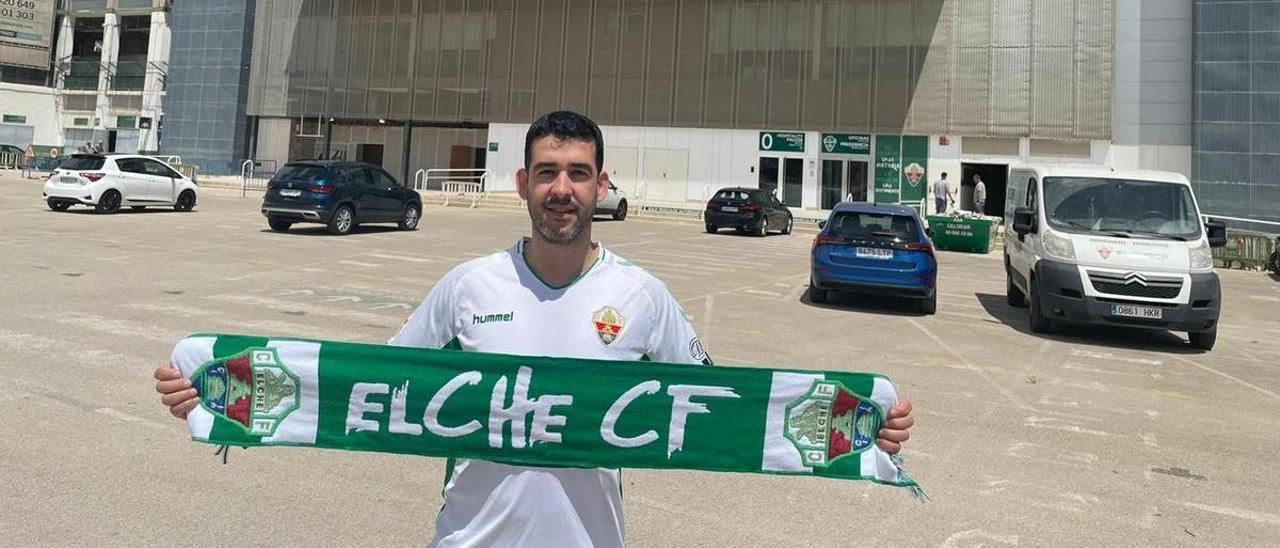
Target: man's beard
<point x="572" y="233"/>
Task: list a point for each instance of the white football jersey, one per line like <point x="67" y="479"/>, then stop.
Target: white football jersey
<point x="613" y="311"/>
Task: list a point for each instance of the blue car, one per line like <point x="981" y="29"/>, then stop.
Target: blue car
<point x="878" y="249"/>
<point x="339" y="195"/>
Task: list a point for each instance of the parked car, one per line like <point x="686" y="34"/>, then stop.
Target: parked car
<point x="877" y="249"/>
<point x="340" y="195"/>
<point x="747" y="210"/>
<point x="1111" y="247"/>
<point x="614" y="204"/>
<point x="107" y="182"/>
<point x="12" y="149"/>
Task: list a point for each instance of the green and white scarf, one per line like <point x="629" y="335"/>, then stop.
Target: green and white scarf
<point x="537" y="411"/>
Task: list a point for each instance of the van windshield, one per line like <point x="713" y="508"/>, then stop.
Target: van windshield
<point x="1121" y="207"/>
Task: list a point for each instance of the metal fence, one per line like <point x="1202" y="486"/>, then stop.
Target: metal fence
<point x="467" y="185"/>
<point x="1249" y="243"/>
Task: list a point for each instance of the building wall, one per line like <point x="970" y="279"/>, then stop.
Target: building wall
<point x="1153" y="85"/>
<point x="971" y="67"/>
<point x="206" y="105"/>
<point x="41" y="108"/>
<point x="1237" y="108"/>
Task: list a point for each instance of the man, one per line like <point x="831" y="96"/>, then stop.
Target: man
<point x="941" y="194"/>
<point x="979" y="195"/>
<point x="555" y="284"/>
<point x="98" y="148"/>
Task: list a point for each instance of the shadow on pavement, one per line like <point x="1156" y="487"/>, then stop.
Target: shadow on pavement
<point x="871" y="304"/>
<point x="1128" y="338"/>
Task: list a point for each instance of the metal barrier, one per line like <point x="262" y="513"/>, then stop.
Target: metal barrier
<point x="11" y="160"/>
<point x="249" y="179"/>
<point x="453" y="183"/>
<point x="1248" y="247"/>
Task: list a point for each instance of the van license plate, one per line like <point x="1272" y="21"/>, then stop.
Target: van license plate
<point x="1131" y="311"/>
<point x="290" y="192"/>
<point x="729" y="209"/>
<point x="874" y="253"/>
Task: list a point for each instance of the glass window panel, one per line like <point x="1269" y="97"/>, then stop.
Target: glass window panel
<point x="499" y="65"/>
<point x="550" y="55"/>
<point x="661" y="64"/>
<point x="605" y="30"/>
<point x="690" y="63"/>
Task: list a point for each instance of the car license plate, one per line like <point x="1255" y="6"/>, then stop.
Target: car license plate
<point x="290" y="192"/>
<point x="873" y="253"/>
<point x="729" y="209"/>
<point x="69" y="179"/>
<point x="1146" y="312"/>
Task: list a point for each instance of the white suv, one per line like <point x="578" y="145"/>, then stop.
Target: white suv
<point x="108" y="182"/>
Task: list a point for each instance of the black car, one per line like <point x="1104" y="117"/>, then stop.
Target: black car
<point x="340" y="195"/>
<point x="747" y="210"/>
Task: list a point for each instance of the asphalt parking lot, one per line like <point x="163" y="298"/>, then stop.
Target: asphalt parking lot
<point x="1083" y="438"/>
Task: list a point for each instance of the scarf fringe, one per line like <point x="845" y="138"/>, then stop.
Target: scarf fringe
<point x="917" y="492"/>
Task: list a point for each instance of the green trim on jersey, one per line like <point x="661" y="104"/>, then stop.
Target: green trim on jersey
<point x="580" y="276"/>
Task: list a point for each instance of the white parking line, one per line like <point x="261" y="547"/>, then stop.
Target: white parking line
<point x="1227" y="376"/>
<point x="401" y="258"/>
<point x="358" y="263"/>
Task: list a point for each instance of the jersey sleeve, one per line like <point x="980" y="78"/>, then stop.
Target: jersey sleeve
<point x="672" y="339"/>
<point x="435" y="323"/>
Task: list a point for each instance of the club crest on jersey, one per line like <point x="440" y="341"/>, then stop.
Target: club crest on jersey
<point x="608" y="323"/>
<point x="829" y="423"/>
<point x="252" y="389"/>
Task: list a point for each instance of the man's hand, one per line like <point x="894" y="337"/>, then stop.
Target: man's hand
<point x="895" y="429"/>
<point x="176" y="392"/>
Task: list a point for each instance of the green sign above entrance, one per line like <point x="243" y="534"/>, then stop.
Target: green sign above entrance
<point x="493" y="147"/>
<point x="846" y="143"/>
<point x="778" y="141"/>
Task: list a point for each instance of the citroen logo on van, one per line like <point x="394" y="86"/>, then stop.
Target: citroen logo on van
<point x="1135" y="278"/>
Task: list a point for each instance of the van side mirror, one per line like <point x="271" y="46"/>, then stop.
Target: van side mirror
<point x="1217" y="232"/>
<point x="822" y="224"/>
<point x="1024" y="221"/>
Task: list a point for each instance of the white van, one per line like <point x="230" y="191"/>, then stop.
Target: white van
<point x="1112" y="247"/>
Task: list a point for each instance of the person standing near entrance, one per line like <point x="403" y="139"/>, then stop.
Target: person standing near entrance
<point x="979" y="195"/>
<point x="941" y="194"/>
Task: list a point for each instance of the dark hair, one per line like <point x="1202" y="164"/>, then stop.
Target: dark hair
<point x="565" y="125"/>
<point x="944" y="175"/>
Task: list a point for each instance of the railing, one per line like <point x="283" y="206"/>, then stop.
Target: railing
<point x="11" y="160"/>
<point x="249" y="179"/>
<point x="1249" y="242"/>
<point x="454" y="184"/>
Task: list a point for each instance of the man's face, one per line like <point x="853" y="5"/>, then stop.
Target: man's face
<point x="562" y="188"/>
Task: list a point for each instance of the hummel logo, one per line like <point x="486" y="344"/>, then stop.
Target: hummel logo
<point x="477" y="319"/>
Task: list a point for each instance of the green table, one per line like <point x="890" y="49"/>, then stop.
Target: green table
<point x="970" y="235"/>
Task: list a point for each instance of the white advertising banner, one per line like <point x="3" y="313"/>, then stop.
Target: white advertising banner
<point x="26" y="32"/>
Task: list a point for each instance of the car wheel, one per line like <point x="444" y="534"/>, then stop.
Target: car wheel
<point x="818" y="296"/>
<point x="787" y="229"/>
<point x="279" y="225"/>
<point x="58" y="206"/>
<point x="930" y="305"/>
<point x="620" y="214"/>
<point x="409" y="219"/>
<point x="711" y="229"/>
<point x="1039" y="322"/>
<point x="108" y="203"/>
<point x="762" y="227"/>
<point x="342" y="222"/>
<point x="137" y="208"/>
<point x="186" y="201"/>
<point x="1203" y="340"/>
<point x="1012" y="294"/>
